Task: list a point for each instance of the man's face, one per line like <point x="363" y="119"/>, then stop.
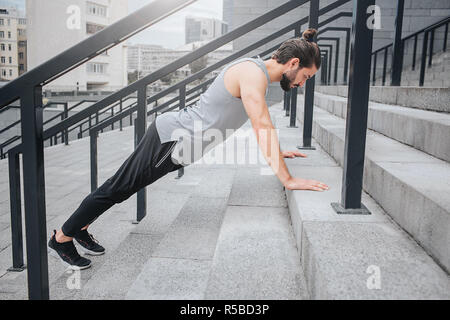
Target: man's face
<point x="295" y="76"/>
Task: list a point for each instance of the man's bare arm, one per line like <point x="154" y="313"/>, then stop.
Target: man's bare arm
<point x="252" y="88"/>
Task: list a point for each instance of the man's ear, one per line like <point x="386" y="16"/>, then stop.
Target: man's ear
<point x="295" y="63"/>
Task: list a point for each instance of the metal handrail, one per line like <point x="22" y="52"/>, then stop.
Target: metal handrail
<point x="91" y="47"/>
<point x="30" y="91"/>
<point x="436" y="25"/>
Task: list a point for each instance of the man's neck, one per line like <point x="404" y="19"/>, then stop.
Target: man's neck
<point x="274" y="69"/>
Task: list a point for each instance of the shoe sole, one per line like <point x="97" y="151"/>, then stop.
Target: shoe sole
<point x="91" y="253"/>
<point x="55" y="254"/>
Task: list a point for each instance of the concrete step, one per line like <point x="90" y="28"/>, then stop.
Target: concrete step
<point x="411" y="186"/>
<point x="352" y="256"/>
<point x="256" y="256"/>
<point x="421" y="129"/>
<point x="178" y="267"/>
<point x="433" y="99"/>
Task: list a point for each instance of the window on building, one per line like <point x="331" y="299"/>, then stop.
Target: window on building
<point x="93" y="28"/>
<point x="99" y="68"/>
<point x="20" y="55"/>
<point x="3" y="60"/>
<point x="9" y="34"/>
<point x="10" y="59"/>
<point x="2" y="22"/>
<point x="3" y="72"/>
<point x="2" y="47"/>
<point x="22" y="32"/>
<point x="9" y="47"/>
<point x="22" y="44"/>
<point x="23" y="21"/>
<point x="10" y="72"/>
<point x="21" y="67"/>
<point x="2" y="34"/>
<point x="96" y="9"/>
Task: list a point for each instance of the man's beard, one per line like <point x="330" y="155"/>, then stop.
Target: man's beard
<point x="285" y="81"/>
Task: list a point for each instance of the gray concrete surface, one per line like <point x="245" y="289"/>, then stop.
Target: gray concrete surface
<point x="410" y="185"/>
<point x="422" y="129"/>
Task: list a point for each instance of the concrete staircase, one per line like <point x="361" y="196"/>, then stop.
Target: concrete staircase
<point x="436" y="76"/>
<point x="230" y="231"/>
<point x="407" y="173"/>
<point x="220" y="232"/>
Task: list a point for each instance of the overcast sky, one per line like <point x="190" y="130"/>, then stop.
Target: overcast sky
<point x="169" y="33"/>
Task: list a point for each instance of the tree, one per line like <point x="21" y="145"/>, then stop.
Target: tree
<point x="198" y="64"/>
<point x="133" y="76"/>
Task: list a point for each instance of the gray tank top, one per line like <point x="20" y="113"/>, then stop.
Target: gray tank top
<point x="217" y="109"/>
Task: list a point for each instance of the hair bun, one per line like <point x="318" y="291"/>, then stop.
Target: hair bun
<point x="309" y="34"/>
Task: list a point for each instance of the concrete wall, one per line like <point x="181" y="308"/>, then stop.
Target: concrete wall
<point x="418" y="14"/>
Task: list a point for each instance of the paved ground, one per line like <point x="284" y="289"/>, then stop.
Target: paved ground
<point x="222" y="231"/>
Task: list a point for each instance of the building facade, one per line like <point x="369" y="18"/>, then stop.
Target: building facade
<point x="203" y="29"/>
<point x="147" y="59"/>
<point x="13" y="44"/>
<point x="64" y="23"/>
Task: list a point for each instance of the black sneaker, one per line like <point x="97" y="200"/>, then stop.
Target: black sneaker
<point x="67" y="253"/>
<point x="89" y="244"/>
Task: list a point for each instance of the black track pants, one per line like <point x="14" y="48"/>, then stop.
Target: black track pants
<point x="150" y="161"/>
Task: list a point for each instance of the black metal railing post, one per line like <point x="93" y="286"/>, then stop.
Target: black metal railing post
<point x="413" y="67"/>
<point x="444" y="46"/>
<point x="120" y="110"/>
<point x="374" y="72"/>
<point x="397" y="49"/>
<point x="385" y="65"/>
<point x="357" y="111"/>
<point x="66" y="132"/>
<point x="310" y="84"/>
<point x="336" y="58"/>
<point x="16" y="211"/>
<point x="423" y="59"/>
<point x="294" y="91"/>
<point x="93" y="159"/>
<point x="288" y="103"/>
<point x="430" y="55"/>
<point x="182" y="98"/>
<point x="140" y="128"/>
<point x="34" y="192"/>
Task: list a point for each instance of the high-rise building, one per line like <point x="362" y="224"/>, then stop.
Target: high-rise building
<point x="227" y="15"/>
<point x="55" y="26"/>
<point x="13" y="44"/>
<point x="203" y="29"/>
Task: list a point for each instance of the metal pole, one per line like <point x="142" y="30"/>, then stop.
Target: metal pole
<point x="374" y="73"/>
<point x="385" y="65"/>
<point x="347" y="49"/>
<point x="34" y="192"/>
<point x="397" y="49"/>
<point x="294" y="91"/>
<point x="310" y="84"/>
<point x="288" y="103"/>
<point x="120" y="110"/>
<point x="414" y="53"/>
<point x="444" y="48"/>
<point x="430" y="57"/>
<point x="423" y="59"/>
<point x="94" y="158"/>
<point x="16" y="212"/>
<point x="140" y="128"/>
<point x="66" y="131"/>
<point x="182" y="99"/>
<point x="357" y="111"/>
